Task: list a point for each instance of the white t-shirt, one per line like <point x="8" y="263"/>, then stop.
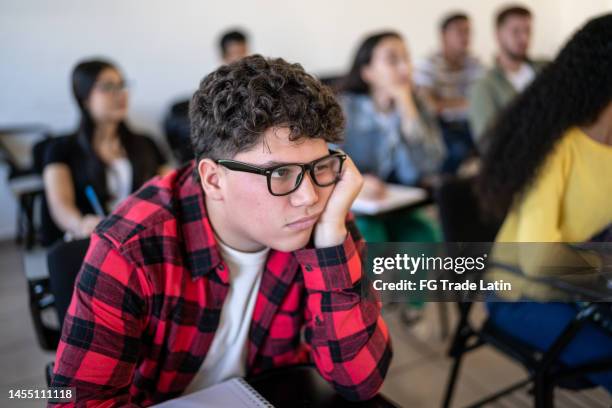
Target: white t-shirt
<point x="521" y="78"/>
<point x="119" y="180"/>
<point x="228" y="352"/>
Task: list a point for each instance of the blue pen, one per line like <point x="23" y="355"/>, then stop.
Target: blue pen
<point x="93" y="200"/>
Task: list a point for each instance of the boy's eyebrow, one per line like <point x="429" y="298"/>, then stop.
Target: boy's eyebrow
<point x="271" y="163"/>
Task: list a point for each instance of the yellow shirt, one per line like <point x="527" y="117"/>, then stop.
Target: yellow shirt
<point x="570" y="200"/>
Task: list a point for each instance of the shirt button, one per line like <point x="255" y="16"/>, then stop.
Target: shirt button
<point x="309" y="268"/>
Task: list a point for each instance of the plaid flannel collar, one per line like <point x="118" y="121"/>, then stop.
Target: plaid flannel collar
<point x="202" y="252"/>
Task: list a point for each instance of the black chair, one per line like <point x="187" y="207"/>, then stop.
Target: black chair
<point x="54" y="292"/>
<point x="545" y="372"/>
<point x="334" y="81"/>
<point x="462" y="222"/>
<point x="177" y="129"/>
<point x="18" y="153"/>
<point x="21" y="149"/>
<point x="40" y="297"/>
<point x="41" y="300"/>
<point x="64" y="261"/>
<point x="460" y="215"/>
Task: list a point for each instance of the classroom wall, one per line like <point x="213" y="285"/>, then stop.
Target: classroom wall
<point x="165" y="47"/>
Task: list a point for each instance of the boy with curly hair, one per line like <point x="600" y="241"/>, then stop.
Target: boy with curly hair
<point x="244" y="260"/>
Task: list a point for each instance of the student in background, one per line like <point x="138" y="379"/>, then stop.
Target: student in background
<point x="389" y="133"/>
<point x="233" y="45"/>
<point x="512" y="73"/>
<point x="443" y="80"/>
<point x="103" y="154"/>
<point x="548" y="167"/>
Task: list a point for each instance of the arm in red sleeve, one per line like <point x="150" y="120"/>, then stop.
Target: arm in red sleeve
<point x="100" y="340"/>
<point x="349" y="340"/>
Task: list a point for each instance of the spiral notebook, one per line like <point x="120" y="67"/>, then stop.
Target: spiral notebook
<point x="231" y="393"/>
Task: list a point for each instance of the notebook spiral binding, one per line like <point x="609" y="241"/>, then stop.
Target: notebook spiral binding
<point x="259" y="400"/>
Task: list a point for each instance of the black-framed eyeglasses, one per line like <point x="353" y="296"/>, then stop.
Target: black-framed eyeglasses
<point x="112" y="87"/>
<point x="285" y="178"/>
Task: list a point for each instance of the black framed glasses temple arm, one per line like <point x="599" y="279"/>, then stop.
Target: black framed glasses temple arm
<point x="234" y="165"/>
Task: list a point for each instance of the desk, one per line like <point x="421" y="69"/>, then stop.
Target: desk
<point x="399" y="199"/>
<point x="302" y="386"/>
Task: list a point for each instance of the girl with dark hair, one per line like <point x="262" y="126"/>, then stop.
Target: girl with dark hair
<point x="389" y="135"/>
<point x="549" y="172"/>
<point x="103" y="156"/>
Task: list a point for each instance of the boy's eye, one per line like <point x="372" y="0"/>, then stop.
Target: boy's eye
<point x="322" y="167"/>
<point x="281" y="172"/>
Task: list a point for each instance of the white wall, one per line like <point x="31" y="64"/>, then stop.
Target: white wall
<point x="165" y="47"/>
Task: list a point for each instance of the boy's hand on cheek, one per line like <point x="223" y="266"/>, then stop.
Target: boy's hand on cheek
<point x="330" y="230"/>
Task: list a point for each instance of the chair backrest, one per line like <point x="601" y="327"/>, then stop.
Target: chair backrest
<point x="64" y="261"/>
<point x="38" y="153"/>
<point x="334" y="81"/>
<point x="49" y="232"/>
<point x="16" y="147"/>
<point x="460" y="214"/>
<point x="178" y="129"/>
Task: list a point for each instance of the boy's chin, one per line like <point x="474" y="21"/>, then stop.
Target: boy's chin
<point x="291" y="244"/>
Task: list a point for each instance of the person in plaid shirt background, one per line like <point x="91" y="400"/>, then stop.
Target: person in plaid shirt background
<point x="244" y="260"/>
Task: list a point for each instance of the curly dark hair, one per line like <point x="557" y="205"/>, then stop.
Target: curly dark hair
<point x="236" y="103"/>
<point x="573" y="90"/>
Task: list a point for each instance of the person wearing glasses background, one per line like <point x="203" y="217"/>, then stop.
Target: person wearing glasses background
<point x="104" y="154"/>
<point x="245" y="259"/>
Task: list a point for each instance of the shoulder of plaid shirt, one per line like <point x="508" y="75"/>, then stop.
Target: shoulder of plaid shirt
<point x="148" y="299"/>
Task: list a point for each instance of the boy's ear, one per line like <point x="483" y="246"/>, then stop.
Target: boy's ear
<point x="211" y="175"/>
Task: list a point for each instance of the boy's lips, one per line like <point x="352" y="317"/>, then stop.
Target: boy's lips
<point x="303" y="223"/>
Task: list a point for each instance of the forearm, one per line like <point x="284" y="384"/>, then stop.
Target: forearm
<point x="437" y="105"/>
<point x="329" y="235"/>
<point x="409" y="113"/>
<point x="345" y="330"/>
<point x="67" y="217"/>
<point x="99" y="347"/>
<point x="452" y="104"/>
<point x="339" y="348"/>
<point x="425" y="147"/>
<point x="60" y="195"/>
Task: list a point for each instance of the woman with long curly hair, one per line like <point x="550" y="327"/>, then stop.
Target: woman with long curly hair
<point x="549" y="172"/>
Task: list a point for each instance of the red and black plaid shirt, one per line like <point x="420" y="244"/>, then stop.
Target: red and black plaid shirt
<point x="148" y="299"/>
